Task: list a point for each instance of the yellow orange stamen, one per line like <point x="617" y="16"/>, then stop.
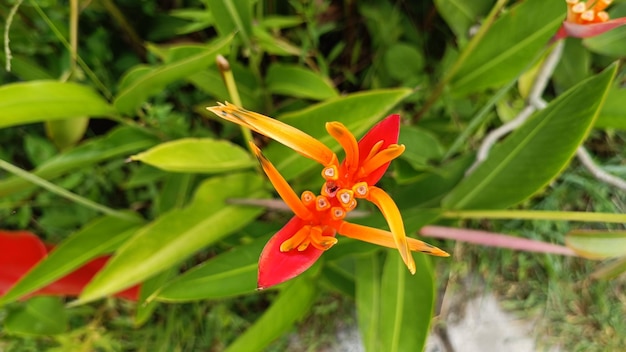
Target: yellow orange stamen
<point x="282" y="187"/>
<point x="391" y="152"/>
<point x="347" y="141"/>
<point x="602" y="16"/>
<point x="330" y="173"/>
<point x="374" y="150"/>
<point x="296" y="240"/>
<point x="385" y="238"/>
<point x="588" y="15"/>
<point x="274" y="129"/>
<point x="307" y="198"/>
<point x="337" y="213"/>
<point x="600" y="5"/>
<point x="319" y="241"/>
<point x="322" y="203"/>
<point x="394" y="219"/>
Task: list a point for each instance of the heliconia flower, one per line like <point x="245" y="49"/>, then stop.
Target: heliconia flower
<point x="587" y="19"/>
<point x="20" y="251"/>
<point x="318" y="218"/>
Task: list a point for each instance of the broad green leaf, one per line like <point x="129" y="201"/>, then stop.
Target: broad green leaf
<point x="174" y="192"/>
<point x="357" y="111"/>
<point x="148" y="287"/>
<point x="460" y="15"/>
<point x="597" y="244"/>
<point x="339" y="277"/>
<point x="154" y="81"/>
<point x="367" y="298"/>
<point x="610" y="270"/>
<point x="535" y="153"/>
<point x="613" y="112"/>
<point x="226" y="275"/>
<point x="232" y="16"/>
<point x="574" y="65"/>
<point x="117" y="144"/>
<point x="292" y="304"/>
<point x="404" y="62"/>
<point x="196" y="155"/>
<point x="295" y="81"/>
<point x="421" y="145"/>
<point x="275" y="45"/>
<point x="407" y="307"/>
<point x="66" y="133"/>
<point x="38" y="316"/>
<point x="513" y="42"/>
<point x="37" y="101"/>
<point x="178" y="234"/>
<point x="99" y="237"/>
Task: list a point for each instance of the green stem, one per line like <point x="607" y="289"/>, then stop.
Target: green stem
<point x="469" y="49"/>
<point x="62" y="192"/>
<point x="535" y="215"/>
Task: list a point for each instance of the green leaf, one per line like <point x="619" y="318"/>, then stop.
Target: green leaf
<point x="421" y="146"/>
<point x="513" y="42"/>
<point x="574" y="65"/>
<point x="99" y="237"/>
<point x="153" y="81"/>
<point x="145" y="308"/>
<point x="210" y="82"/>
<point x="38" y="316"/>
<point x="610" y="270"/>
<point x="37" y="101"/>
<point x="367" y="298"/>
<point x="118" y="143"/>
<point x="178" y="234"/>
<point x="232" y="16"/>
<point x="292" y="304"/>
<point x="613" y="113"/>
<point x="229" y="274"/>
<point x="460" y="15"/>
<point x="196" y="155"/>
<point x="407" y="309"/>
<point x="357" y="111"/>
<point x="597" y="244"/>
<point x="295" y="81"/>
<point x="404" y="62"/>
<point x="536" y="152"/>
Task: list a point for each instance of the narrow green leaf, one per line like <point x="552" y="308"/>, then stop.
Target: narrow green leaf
<point x="292" y="304"/>
<point x="195" y="155"/>
<point x="536" y="152"/>
<point x="145" y="308"/>
<point x="38" y="316"/>
<point x="460" y="15"/>
<point x="118" y="143"/>
<point x="178" y="234"/>
<point x="154" y="81"/>
<point x="99" y="237"/>
<point x="510" y="45"/>
<point x="357" y="111"/>
<point x="368" y="297"/>
<point x="226" y="275"/>
<point x="597" y="244"/>
<point x="407" y="309"/>
<point x="295" y="81"/>
<point x="37" y="101"/>
<point x="613" y="113"/>
<point x="232" y="16"/>
<point x="610" y="270"/>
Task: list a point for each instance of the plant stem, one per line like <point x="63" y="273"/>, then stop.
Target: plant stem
<point x="7" y="28"/>
<point x="535" y="215"/>
<point x="469" y="49"/>
<point x="62" y="192"/>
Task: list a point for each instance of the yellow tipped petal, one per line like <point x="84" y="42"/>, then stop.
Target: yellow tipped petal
<point x="385" y="238"/>
<point x="296" y="240"/>
<point x="347" y="141"/>
<point x="319" y="241"/>
<point x="282" y="187"/>
<point x="276" y="130"/>
<point x="394" y="219"/>
<point x="391" y="152"/>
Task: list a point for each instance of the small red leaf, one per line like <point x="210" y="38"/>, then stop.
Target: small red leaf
<point x="576" y="30"/>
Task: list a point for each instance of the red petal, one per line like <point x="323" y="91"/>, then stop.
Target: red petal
<point x="588" y="30"/>
<point x="19" y="251"/>
<point x="387" y="130"/>
<point x="22" y="250"/>
<point x="275" y="266"/>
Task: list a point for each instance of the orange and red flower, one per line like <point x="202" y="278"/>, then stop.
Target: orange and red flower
<point x="587" y="19"/>
<point x="20" y="251"/>
<point x="319" y="217"/>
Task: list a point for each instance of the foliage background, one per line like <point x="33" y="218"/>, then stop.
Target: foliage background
<point x="143" y="73"/>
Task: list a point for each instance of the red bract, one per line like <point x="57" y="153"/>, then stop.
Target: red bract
<point x="20" y="251"/>
<point x="587" y="19"/>
<point x="318" y="218"/>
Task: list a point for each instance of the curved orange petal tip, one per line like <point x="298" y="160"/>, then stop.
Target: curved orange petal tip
<point x="275" y="266"/>
<point x="387" y="131"/>
<point x="20" y="251"/>
<point x="576" y="30"/>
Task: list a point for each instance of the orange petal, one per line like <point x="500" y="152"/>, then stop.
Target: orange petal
<point x="347" y="141"/>
<point x="385" y="238"/>
<point x="282" y="187"/>
<point x="394" y="219"/>
<point x="381" y="158"/>
<point x="276" y="130"/>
